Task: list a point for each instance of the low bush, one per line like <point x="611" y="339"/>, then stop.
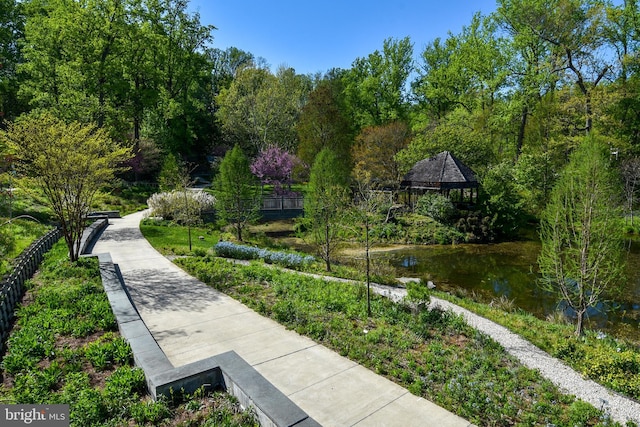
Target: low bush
<point x="423" y="230"/>
<point x="107" y="351"/>
<point x="619" y="369"/>
<point x="286" y="259"/>
<point x="436" y="206"/>
<point x="177" y="205"/>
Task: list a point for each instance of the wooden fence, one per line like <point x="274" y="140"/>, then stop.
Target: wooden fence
<point x="12" y="286"/>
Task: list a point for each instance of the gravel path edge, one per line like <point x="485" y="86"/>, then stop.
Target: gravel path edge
<point x="620" y="408"/>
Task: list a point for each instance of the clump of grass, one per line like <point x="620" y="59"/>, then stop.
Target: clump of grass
<point x="16" y="236"/>
<point x="503" y="303"/>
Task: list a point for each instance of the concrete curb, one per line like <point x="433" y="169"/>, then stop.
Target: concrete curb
<point x="91" y="233"/>
<point x="227" y="370"/>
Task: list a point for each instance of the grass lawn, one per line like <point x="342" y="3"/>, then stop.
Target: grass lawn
<point x="171" y="239"/>
<point x="124" y="198"/>
<point x="15" y="237"/>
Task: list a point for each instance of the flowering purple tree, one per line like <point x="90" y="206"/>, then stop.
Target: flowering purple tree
<point x="274" y="166"/>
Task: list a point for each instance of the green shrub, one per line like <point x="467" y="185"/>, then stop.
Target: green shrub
<point x="619" y="370"/>
<point x="150" y="412"/>
<point x="26" y="347"/>
<point x="125" y="382"/>
<point x="583" y="414"/>
<point x="425" y="230"/>
<point x="476" y="227"/>
<point x="418" y="294"/>
<point x="569" y="350"/>
<point x="436" y="206"/>
<point x="31" y="387"/>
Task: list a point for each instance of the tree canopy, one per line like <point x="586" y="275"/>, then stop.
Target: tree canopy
<point x="525" y="82"/>
<point x="70" y="162"/>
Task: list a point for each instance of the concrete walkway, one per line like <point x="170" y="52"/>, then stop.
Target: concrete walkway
<point x="192" y="321"/>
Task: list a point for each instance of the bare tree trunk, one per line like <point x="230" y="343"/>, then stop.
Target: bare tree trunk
<point x="579" y="322"/>
<point x="327" y="252"/>
<point x="368" y="259"/>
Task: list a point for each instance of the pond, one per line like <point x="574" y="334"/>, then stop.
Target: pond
<point x="488" y="272"/>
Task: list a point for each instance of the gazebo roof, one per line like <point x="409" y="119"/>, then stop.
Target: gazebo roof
<point x="441" y="172"/>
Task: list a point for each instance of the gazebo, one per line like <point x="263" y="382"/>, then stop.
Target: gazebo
<point x="441" y="173"/>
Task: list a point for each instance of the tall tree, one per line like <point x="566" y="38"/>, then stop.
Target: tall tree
<point x="324" y="124"/>
<point x="11" y="31"/>
<point x="573" y="29"/>
<point x="621" y="31"/>
<point x="226" y="64"/>
<point x="181" y="122"/>
<point x="630" y="170"/>
<point x="70" y="162"/>
<point x="72" y="54"/>
<point x="375" y="86"/>
<point x="274" y="166"/>
<point x="325" y="199"/>
<point x="581" y="259"/>
<point x="466" y="70"/>
<point x="260" y="109"/>
<point x="237" y="191"/>
<point x="375" y="151"/>
<point x="533" y="70"/>
<point x="135" y="67"/>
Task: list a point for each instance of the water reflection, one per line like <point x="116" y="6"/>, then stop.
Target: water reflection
<point x="510" y="270"/>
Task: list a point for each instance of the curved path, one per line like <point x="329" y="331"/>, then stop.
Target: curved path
<point x="191" y="321"/>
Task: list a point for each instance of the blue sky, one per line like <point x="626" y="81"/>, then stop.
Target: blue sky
<point x="315" y="36"/>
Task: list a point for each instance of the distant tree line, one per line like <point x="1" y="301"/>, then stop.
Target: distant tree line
<point x="512" y="94"/>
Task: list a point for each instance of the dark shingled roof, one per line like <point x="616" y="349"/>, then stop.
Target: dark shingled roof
<point x="441" y="172"/>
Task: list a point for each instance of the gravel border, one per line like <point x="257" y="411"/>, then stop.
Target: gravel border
<point x="620" y="408"/>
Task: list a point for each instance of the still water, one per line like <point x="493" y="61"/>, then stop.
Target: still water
<point x="510" y="270"/>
